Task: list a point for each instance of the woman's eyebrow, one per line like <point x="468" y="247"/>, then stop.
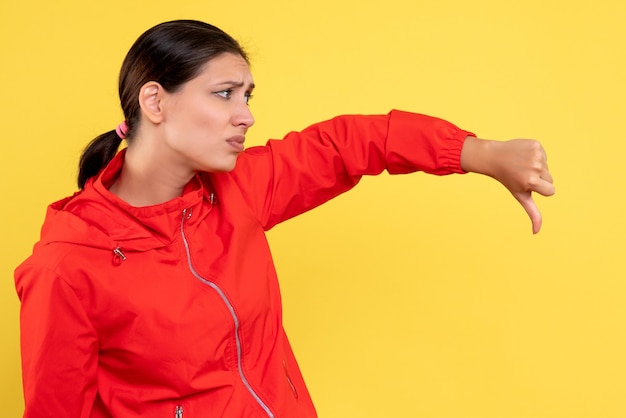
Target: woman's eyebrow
<point x="235" y="84"/>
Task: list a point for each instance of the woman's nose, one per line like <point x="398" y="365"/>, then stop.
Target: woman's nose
<point x="243" y="116"/>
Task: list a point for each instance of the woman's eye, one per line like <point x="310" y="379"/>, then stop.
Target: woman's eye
<point x="248" y="97"/>
<point x="225" y="94"/>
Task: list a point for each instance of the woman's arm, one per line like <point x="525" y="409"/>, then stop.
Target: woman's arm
<point x="59" y="346"/>
<point x="307" y="168"/>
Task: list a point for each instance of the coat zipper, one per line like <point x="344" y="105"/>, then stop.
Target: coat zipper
<point x="186" y="216"/>
<point x="178" y="412"/>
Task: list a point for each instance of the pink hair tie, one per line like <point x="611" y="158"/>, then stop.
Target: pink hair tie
<point x="122" y="129"/>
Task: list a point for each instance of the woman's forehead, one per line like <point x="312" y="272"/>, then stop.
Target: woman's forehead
<point x="227" y="67"/>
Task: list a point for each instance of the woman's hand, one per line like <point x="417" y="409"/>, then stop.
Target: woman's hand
<point x="519" y="164"/>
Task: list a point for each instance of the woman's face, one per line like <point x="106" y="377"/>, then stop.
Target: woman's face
<point x="205" y="122"/>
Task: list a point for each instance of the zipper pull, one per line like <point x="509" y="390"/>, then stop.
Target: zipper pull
<point x="118" y="256"/>
<point x="187" y="214"/>
<point x="178" y="412"/>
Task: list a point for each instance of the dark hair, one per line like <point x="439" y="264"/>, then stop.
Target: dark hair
<point x="171" y="54"/>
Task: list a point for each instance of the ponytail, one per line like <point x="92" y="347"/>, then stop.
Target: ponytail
<point x="97" y="155"/>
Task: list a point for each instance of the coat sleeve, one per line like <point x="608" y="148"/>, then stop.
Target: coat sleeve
<point x="287" y="177"/>
<point x="59" y="346"/>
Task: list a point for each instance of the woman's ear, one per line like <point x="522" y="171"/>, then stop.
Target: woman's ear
<point x="150" y="96"/>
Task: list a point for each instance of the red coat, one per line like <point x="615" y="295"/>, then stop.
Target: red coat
<point x="174" y="310"/>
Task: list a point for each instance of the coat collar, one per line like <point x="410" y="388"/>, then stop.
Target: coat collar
<point x="99" y="218"/>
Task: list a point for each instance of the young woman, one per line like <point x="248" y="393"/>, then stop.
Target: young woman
<point x="152" y="291"/>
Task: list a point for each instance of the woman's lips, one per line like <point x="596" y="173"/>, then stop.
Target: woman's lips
<point x="237" y="142"/>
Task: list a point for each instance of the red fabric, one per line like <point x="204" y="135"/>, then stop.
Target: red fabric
<point x="138" y="332"/>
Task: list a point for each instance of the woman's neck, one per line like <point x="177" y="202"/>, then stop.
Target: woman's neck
<point x="146" y="180"/>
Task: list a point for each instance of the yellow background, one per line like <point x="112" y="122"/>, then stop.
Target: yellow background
<point x="411" y="296"/>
